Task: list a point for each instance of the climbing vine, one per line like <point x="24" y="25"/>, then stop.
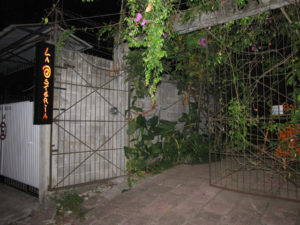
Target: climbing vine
<point x="224" y="54"/>
<point x="149" y="24"/>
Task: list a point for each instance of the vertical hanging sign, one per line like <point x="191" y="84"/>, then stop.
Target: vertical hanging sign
<point x="43" y="99"/>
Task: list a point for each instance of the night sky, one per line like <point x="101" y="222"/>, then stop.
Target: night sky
<point x="31" y="11"/>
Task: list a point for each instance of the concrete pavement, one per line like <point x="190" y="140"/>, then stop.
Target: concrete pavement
<point x="178" y="196"/>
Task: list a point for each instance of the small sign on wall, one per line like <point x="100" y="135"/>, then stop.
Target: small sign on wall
<point x="44" y="81"/>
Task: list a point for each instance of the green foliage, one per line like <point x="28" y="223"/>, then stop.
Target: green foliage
<point x="294" y="81"/>
<point x="136" y="72"/>
<point x="240" y="122"/>
<point x="157" y="144"/>
<point x="63" y="37"/>
<point x="69" y="201"/>
<point x="148" y="32"/>
<point x="45" y="20"/>
<point x="156" y="32"/>
<point x="194" y="60"/>
<point x="107" y="32"/>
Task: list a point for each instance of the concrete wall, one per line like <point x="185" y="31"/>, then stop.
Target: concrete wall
<point x="169" y="102"/>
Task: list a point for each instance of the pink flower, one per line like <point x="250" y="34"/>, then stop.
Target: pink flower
<point x="144" y="22"/>
<point x="203" y="41"/>
<point x="253" y="48"/>
<point x="259" y="47"/>
<point x="165" y="35"/>
<point x="138" y="17"/>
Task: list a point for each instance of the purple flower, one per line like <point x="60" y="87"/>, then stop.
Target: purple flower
<point x="259" y="47"/>
<point x="203" y="41"/>
<point x="269" y="20"/>
<point x="144" y="22"/>
<point x="138" y="17"/>
<point x="253" y="48"/>
<point x="165" y="35"/>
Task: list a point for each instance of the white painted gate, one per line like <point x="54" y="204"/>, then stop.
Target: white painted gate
<point x="20" y="149"/>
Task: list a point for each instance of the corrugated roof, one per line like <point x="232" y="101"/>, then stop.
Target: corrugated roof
<point x="17" y="45"/>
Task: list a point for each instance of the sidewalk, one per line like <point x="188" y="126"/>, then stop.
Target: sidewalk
<point x="182" y="196"/>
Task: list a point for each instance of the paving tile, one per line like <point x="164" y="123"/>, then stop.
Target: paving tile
<point x="102" y="211"/>
<point x="205" y="218"/>
<point x="180" y="196"/>
<point x="241" y="217"/>
<point x="133" y="206"/>
<point x="289" y="206"/>
<point x="255" y="203"/>
<point x="139" y="220"/>
<point x="204" y="194"/>
<point x="162" y="205"/>
<point x="196" y="182"/>
<point x="219" y="207"/>
<point x="171" y="218"/>
<point x="184" y="188"/>
<point x="187" y="209"/>
<point x="280" y="215"/>
<point x="158" y="189"/>
<point x="111" y="219"/>
<point x="173" y="182"/>
<point x="229" y="196"/>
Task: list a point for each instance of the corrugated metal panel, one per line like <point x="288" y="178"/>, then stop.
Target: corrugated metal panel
<point x="20" y="149"/>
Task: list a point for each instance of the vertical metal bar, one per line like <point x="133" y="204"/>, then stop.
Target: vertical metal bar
<point x="101" y="124"/>
<point x="110" y="130"/>
<point x="277" y="90"/>
<point x="89" y="67"/>
<point x="266" y="129"/>
<point x="51" y="145"/>
<point x="95" y="117"/>
<point x="232" y="94"/>
<point x="58" y="129"/>
<point x="80" y="123"/>
<point x="106" y="126"/>
<point x="84" y="92"/>
<point x="64" y="133"/>
<point x="272" y="103"/>
<point x="246" y="80"/>
<point x="70" y="129"/>
<point x="76" y="59"/>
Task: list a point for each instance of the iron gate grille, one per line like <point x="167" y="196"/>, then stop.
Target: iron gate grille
<point x="89" y="127"/>
<point x="254" y="144"/>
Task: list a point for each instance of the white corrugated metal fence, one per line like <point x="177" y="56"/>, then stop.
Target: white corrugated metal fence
<point x="20" y="148"/>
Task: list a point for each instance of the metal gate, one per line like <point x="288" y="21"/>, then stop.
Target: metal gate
<point x="254" y="140"/>
<point x="89" y="127"/>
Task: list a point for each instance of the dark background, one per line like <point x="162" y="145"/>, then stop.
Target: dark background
<point x="18" y="86"/>
<point x="32" y="11"/>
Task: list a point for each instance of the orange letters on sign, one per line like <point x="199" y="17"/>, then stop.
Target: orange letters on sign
<point x="47" y="74"/>
<point x="47" y="54"/>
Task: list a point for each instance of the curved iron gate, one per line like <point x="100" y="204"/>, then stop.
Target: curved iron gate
<point x="254" y="142"/>
<point x="89" y="127"/>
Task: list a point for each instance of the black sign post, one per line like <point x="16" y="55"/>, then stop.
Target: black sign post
<point x="44" y="81"/>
